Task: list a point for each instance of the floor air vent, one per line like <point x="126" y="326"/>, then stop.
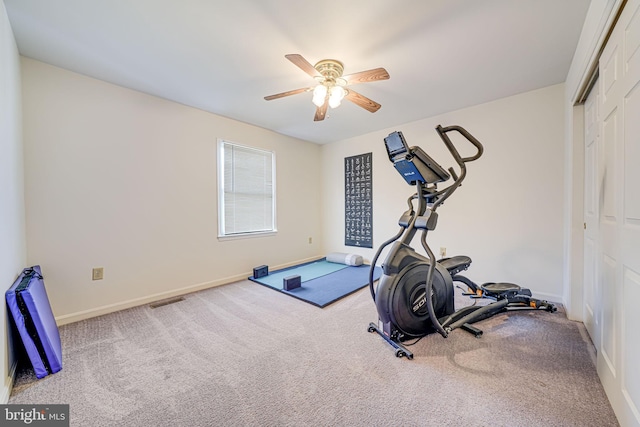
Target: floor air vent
<point x="165" y="302"/>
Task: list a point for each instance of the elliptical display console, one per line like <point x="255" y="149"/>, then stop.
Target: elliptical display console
<point x="404" y="309"/>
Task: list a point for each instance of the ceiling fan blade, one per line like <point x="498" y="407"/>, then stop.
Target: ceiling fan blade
<point x="363" y="101"/>
<point x="291" y="92"/>
<point x="321" y="112"/>
<point x="367" y="76"/>
<point x="303" y="64"/>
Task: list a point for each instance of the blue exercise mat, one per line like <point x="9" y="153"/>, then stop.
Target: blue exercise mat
<point x="336" y="282"/>
<point x="29" y="305"/>
<point x="307" y="271"/>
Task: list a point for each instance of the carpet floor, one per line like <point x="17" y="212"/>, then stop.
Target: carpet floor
<point x="243" y="355"/>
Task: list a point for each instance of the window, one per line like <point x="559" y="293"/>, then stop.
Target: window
<point x="246" y="190"/>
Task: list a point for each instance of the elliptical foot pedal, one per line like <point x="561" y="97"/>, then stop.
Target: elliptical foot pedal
<point x="500" y="289"/>
<point x="456" y="264"/>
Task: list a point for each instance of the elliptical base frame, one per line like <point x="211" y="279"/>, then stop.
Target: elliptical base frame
<point x="400" y="350"/>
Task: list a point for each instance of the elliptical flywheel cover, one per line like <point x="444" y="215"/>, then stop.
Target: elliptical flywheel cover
<point x="408" y="303"/>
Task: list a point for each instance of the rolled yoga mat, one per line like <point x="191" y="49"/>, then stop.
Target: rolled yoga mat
<point x="342" y="258"/>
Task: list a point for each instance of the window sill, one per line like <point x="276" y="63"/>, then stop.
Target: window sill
<point x="247" y="235"/>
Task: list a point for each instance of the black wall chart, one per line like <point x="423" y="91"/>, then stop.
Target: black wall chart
<point x="358" y="200"/>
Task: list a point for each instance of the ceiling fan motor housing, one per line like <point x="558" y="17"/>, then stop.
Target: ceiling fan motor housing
<point x="330" y="69"/>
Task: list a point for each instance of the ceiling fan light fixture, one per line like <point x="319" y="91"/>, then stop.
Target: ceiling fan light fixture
<point x="319" y="95"/>
<point x="330" y="90"/>
<point x="336" y="94"/>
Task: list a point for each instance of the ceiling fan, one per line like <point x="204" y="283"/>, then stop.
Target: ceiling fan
<point x="331" y="88"/>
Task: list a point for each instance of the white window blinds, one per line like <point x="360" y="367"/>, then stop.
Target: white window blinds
<point x="246" y="190"/>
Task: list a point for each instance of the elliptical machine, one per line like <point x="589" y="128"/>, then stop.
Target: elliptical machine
<point x="404" y="310"/>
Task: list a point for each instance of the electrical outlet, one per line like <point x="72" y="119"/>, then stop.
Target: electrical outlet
<point x="310" y="240"/>
<point x="97" y="273"/>
<point x="443" y="252"/>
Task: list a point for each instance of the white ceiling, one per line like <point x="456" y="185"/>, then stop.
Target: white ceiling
<point x="225" y="56"/>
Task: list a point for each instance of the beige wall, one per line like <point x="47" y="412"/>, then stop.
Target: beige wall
<point x="127" y="181"/>
<point x="507" y="216"/>
<point x="12" y="223"/>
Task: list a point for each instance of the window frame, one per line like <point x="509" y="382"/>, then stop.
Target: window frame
<point x="221" y="205"/>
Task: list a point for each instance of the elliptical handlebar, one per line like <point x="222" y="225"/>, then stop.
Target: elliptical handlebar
<point x="452" y="148"/>
<point x="458" y="158"/>
<point x="446" y="193"/>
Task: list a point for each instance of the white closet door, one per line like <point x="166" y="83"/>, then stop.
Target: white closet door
<point x="614" y="297"/>
<point x="629" y="192"/>
<point x="592" y="173"/>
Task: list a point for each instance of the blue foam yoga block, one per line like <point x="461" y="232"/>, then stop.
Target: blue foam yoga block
<point x="291" y="282"/>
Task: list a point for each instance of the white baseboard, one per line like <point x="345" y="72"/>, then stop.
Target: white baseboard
<point x="123" y="305"/>
<point x="548" y="297"/>
<point x="5" y="393"/>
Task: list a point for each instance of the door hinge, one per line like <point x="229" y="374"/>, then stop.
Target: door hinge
<point x="585" y="225"/>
